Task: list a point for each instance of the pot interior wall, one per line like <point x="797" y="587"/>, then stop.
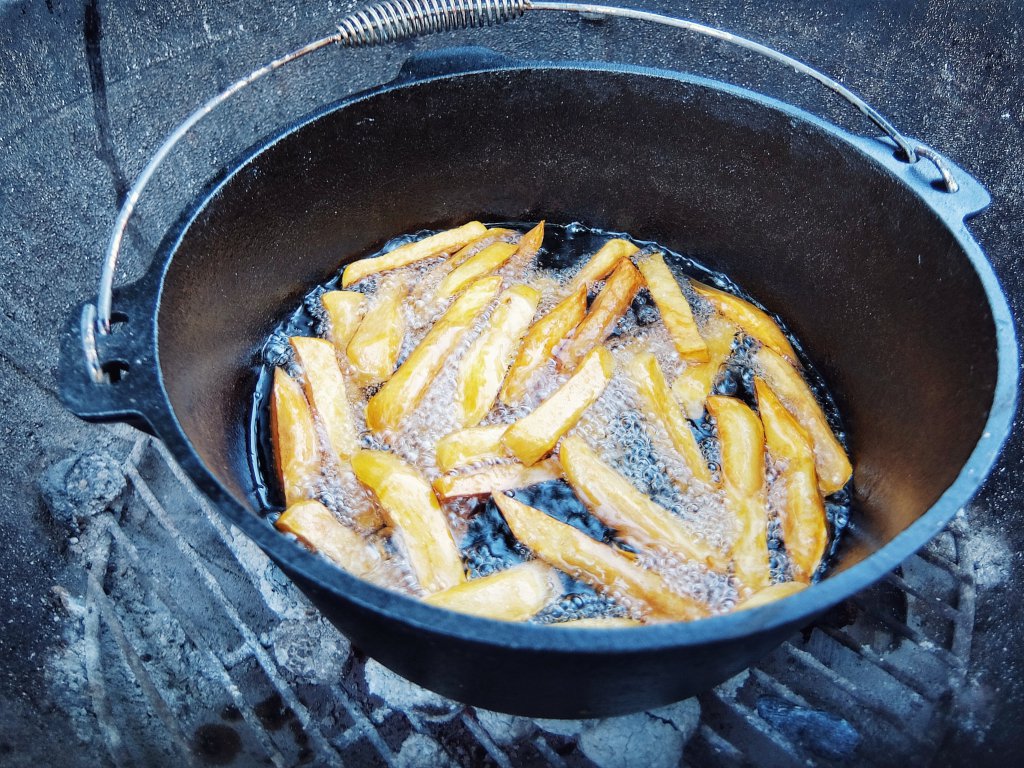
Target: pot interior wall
<point x="876" y="287"/>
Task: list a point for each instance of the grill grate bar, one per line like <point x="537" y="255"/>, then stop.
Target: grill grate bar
<point x="733" y="718"/>
<point x="709" y="747"/>
<point x="945" y="610"/>
<point x="363" y="725"/>
<point x="901" y="629"/>
<point x="482" y="736"/>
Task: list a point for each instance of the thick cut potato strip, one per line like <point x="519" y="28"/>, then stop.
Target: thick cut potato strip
<point x="448" y="241"/>
<point x="602" y="263"/>
<point x="317" y="528"/>
<point x="609" y="622"/>
<point x="326" y="393"/>
<point x="661" y="407"/>
<point x="611" y="303"/>
<point x="492" y="235"/>
<point x="830" y="459"/>
<point x="467" y="446"/>
<point x="503" y="477"/>
<point x="416" y="517"/>
<point x="533" y="436"/>
<point x="344" y="309"/>
<point x="674" y="308"/>
<point x="296" y="450"/>
<point x="475" y="267"/>
<point x="753" y="321"/>
<point x="692" y="387"/>
<point x="374" y="347"/>
<point x="483" y="367"/>
<point x="541" y="340"/>
<point x="403" y="391"/>
<point x="804" y="528"/>
<point x="577" y="554"/>
<point x="529" y="244"/>
<point x="633" y="515"/>
<point x="771" y="594"/>
<point x="515" y="594"/>
<point x="742" y="444"/>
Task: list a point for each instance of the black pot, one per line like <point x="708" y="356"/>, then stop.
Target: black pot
<point x="865" y="257"/>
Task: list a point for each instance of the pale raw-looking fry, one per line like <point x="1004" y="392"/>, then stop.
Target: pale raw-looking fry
<point x="830" y="459"/>
<point x="326" y="393"/>
<point x="416" y="517"/>
<point x="533" y="436"/>
<point x="661" y="407"/>
<point x="467" y="446"/>
<point x="674" y="308"/>
<point x="742" y="444"/>
<point x="374" y="347"/>
<point x="503" y="477"/>
<point x="403" y="391"/>
<point x="540" y="341"/>
<point x="602" y="263"/>
<point x="753" y="321"/>
<point x="577" y="554"/>
<point x="804" y="528"/>
<point x="317" y="528"/>
<point x="515" y="594"/>
<point x="484" y="365"/>
<point x="692" y="387"/>
<point x="611" y="303"/>
<point x="475" y="267"/>
<point x="633" y="515"/>
<point x="296" y="452"/>
<point x="607" y="622"/>
<point x="344" y="309"/>
<point x="443" y="242"/>
<point x="492" y="235"/>
<point x="771" y="594"/>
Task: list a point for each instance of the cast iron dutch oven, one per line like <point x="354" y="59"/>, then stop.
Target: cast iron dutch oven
<point x="864" y="255"/>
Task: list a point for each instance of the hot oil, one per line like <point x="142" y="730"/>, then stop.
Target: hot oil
<point x="614" y="426"/>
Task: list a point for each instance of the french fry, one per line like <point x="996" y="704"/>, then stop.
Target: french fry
<point x="749" y="318"/>
<point x="602" y="263"/>
<point x="327" y="394"/>
<point x="415" y="515"/>
<point x="742" y="443"/>
<point x="610" y="304"/>
<point x="661" y="407"/>
<point x="296" y="451"/>
<point x="374" y="347"/>
<point x="344" y="309"/>
<point x="771" y="594"/>
<point x="830" y="459"/>
<point x="483" y="367"/>
<point x="503" y="477"/>
<point x="804" y="528"/>
<point x="540" y="341"/>
<point x="577" y="554"/>
<point x="474" y="268"/>
<point x="317" y="528"/>
<point x="492" y="235"/>
<point x="403" y="391"/>
<point x="610" y="622"/>
<point x="633" y="515"/>
<point x="692" y="387"/>
<point x="674" y="308"/>
<point x="467" y="446"/>
<point x="514" y="594"/>
<point x="529" y="244"/>
<point x="443" y="242"/>
<point x="533" y="436"/>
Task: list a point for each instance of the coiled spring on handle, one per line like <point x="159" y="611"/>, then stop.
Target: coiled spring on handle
<point x="394" y="20"/>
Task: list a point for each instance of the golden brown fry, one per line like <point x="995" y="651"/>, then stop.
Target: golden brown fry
<point x="470" y="445"/>
<point x="403" y="391"/>
<point x="602" y="263"/>
<point x="533" y="436"/>
<point x="443" y="242"/>
<point x="771" y="594"/>
<point x="326" y="393"/>
<point x="416" y="517"/>
<point x="515" y="594"/>
<point x="529" y="244"/>
<point x="577" y="554"/>
<point x="373" y="349"/>
<point x="753" y="321"/>
<point x="610" y="304"/>
<point x="344" y="309"/>
<point x="660" y="407"/>
<point x="502" y="477"/>
<point x="674" y="308"/>
<point x="692" y="387"/>
<point x="804" y="528"/>
<point x="610" y="622"/>
<point x="317" y="528"/>
<point x="742" y="445"/>
<point x="540" y="341"/>
<point x="296" y="451"/>
<point x="484" y="365"/>
<point x="633" y="515"/>
<point x="830" y="459"/>
<point x="475" y="267"/>
<point x="492" y="235"/>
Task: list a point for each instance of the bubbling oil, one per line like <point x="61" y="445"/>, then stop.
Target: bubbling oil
<point x="638" y="448"/>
